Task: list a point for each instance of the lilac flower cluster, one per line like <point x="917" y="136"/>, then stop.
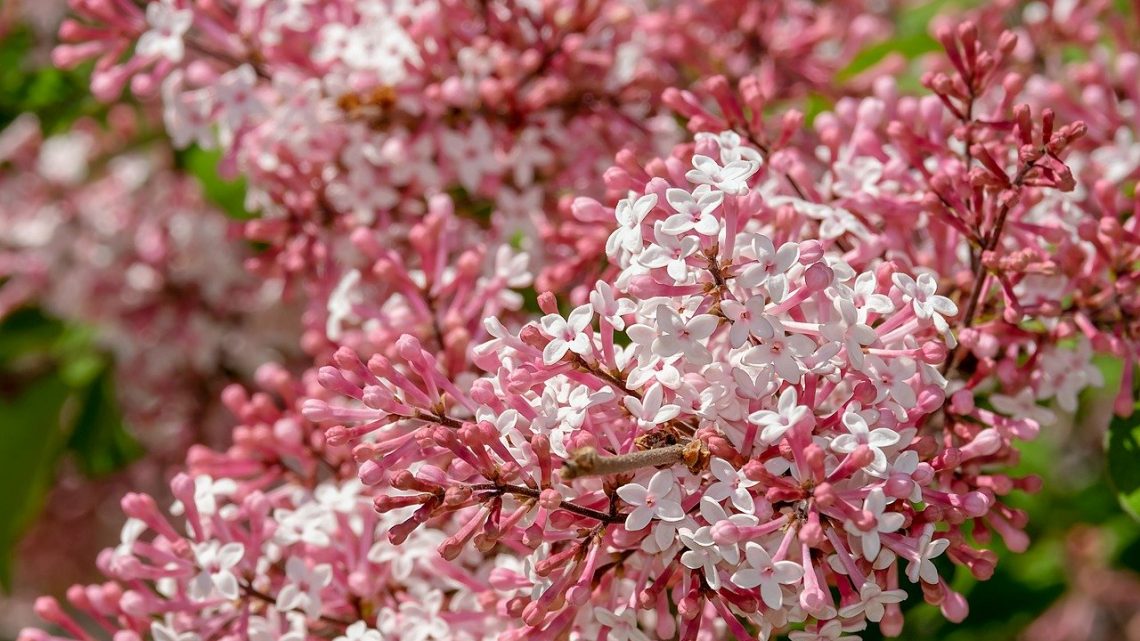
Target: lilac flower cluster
<point x="752" y="383"/>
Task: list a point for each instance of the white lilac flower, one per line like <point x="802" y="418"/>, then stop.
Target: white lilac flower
<point x="655" y="500"/>
<point x="767" y="574"/>
<point x="731" y="483"/>
<point x="922" y="296"/>
<point x="694" y="211"/>
<point x="885" y="522"/>
<point x="859" y="433"/>
<point x="731" y="178"/>
<point x="872" y="603"/>
<point x="774" y="424"/>
<point x="622" y="624"/>
<point x="302" y="590"/>
<point x="359" y="631"/>
<point x="922" y="566"/>
<point x="567" y="334"/>
<point x="679" y="336"/>
<point x="629" y="214"/>
<point x="168" y="25"/>
<point x="215" y="562"/>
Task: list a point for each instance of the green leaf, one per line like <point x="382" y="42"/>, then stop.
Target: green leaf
<point x="57" y="398"/>
<point x="27" y="332"/>
<point x="56" y="96"/>
<point x="1123" y="449"/>
<point x="815" y="104"/>
<point x="31" y="440"/>
<point x="98" y="441"/>
<point x="909" y="47"/>
<point x="911" y="40"/>
<point x="229" y="195"/>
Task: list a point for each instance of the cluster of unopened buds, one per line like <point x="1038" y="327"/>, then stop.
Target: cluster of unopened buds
<point x="792" y="389"/>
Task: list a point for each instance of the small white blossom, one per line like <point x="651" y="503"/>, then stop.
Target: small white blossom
<point x="859" y="433"/>
<point x="215" y="562"/>
<point x="872" y="602"/>
<point x="680" y="336"/>
<point x="767" y="574"/>
<point x="922" y="567"/>
<point x="168" y="25"/>
<point x="670" y="252"/>
<point x="775" y="424"/>
<point x="766" y="262"/>
<point x="694" y="211"/>
<point x="629" y="214"/>
<point x="1023" y="405"/>
<point x="926" y="303"/>
<point x="359" y="631"/>
<point x="650" y="409"/>
<point x="885" y="522"/>
<point x="829" y="631"/>
<point x="167" y="632"/>
<point x="657" y="500"/>
<point x="747" y="320"/>
<point x="302" y="591"/>
<point x="731" y="178"/>
<point x="782" y="351"/>
<point x="567" y="334"/>
<point x="731" y="483"/>
<point x="610" y="308"/>
<point x="622" y="624"/>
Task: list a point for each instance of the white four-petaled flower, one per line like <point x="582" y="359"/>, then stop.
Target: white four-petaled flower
<point x="859" y="433"/>
<point x="767" y="574"/>
<point x="885" y="522"/>
<point x="927" y="304"/>
<point x="567" y="334"/>
<point x="788" y="413"/>
<point x="694" y="211"/>
<point x="731" y="483"/>
<point x="731" y="178"/>
<point x="168" y="24"/>
<point x="215" y="563"/>
<point x="921" y="567"/>
<point x="657" y="500"/>
<point x="629" y="214"/>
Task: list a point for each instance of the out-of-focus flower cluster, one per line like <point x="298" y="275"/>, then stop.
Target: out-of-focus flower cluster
<point x="751" y="383"/>
<point x="346" y="114"/>
<point x="97" y="234"/>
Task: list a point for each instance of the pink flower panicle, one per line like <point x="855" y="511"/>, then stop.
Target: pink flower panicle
<point x="794" y="385"/>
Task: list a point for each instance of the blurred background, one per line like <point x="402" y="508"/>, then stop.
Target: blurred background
<point x="117" y="312"/>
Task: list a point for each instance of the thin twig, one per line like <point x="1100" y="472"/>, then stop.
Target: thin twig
<point x="521" y="490"/>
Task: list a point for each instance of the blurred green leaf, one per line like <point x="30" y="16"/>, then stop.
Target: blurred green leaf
<point x="815" y="104"/>
<point x="910" y="47"/>
<point x="26" y="332"/>
<point x="58" y="97"/>
<point x="32" y="437"/>
<point x="1123" y="450"/>
<point x="57" y="398"/>
<point x="98" y="441"/>
<point x="911" y="38"/>
<point x="229" y="195"/>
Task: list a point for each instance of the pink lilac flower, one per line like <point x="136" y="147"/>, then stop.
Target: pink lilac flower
<point x="654" y="468"/>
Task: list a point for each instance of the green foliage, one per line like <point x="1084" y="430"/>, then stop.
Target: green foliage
<point x="56" y="96"/>
<point x="32" y="442"/>
<point x="228" y="195"/>
<point x="57" y="399"/>
<point x="1122" y="445"/>
<point x="911" y="40"/>
<point x="909" y="46"/>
